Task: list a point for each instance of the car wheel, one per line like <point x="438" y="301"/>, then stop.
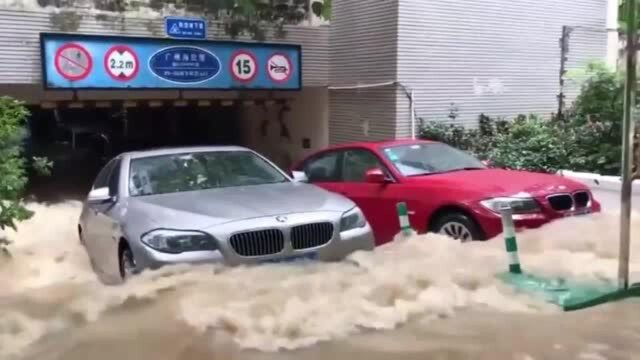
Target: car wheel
<point x="127" y="263"/>
<point x="458" y="226"/>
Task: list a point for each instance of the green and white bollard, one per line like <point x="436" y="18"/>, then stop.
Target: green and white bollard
<point x="509" y="233"/>
<point x="403" y="216"/>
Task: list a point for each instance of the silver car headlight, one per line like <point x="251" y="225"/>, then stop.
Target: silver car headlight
<point x="178" y="241"/>
<point x="518" y="205"/>
<point x="352" y="219"/>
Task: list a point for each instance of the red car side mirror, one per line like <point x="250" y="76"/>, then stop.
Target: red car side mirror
<point x="375" y="176"/>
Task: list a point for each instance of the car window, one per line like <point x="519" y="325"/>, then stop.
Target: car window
<point x="200" y="171"/>
<point x="114" y="178"/>
<point x="430" y="158"/>
<point x="323" y="168"/>
<point x="102" y="179"/>
<point x="356" y="163"/>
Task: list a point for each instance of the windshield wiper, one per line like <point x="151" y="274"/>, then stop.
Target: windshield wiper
<point x="448" y="171"/>
<point x="462" y="169"/>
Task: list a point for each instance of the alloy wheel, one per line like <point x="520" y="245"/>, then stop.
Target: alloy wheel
<point x="457" y="231"/>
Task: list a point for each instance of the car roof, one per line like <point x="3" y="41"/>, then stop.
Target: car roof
<point x="180" y="150"/>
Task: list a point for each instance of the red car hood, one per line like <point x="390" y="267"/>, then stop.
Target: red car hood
<point x="499" y="182"/>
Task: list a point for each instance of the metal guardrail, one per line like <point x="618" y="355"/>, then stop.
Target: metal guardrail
<point x="597" y="181"/>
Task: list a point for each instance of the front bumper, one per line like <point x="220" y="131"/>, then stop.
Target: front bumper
<point x="491" y="223"/>
<point x="340" y="246"/>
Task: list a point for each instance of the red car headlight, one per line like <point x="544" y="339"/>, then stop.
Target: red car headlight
<point x="518" y="205"/>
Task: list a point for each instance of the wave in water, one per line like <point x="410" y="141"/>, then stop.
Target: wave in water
<point x="49" y="286"/>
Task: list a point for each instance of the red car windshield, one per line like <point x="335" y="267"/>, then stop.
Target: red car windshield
<point x="430" y="158"/>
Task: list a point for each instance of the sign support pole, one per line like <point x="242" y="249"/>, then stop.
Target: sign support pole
<point x="628" y="129"/>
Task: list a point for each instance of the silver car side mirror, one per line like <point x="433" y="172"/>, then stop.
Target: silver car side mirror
<point x="99" y="195"/>
<point x="299" y="176"/>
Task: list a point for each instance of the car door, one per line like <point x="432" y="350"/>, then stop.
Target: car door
<point x="377" y="201"/>
<point x="323" y="170"/>
<point x="102" y="223"/>
<point x="89" y="214"/>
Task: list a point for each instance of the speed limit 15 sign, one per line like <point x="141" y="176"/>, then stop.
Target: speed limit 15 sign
<point x="244" y="66"/>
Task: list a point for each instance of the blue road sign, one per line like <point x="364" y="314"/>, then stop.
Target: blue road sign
<point x="185" y="28"/>
<point x="184" y="64"/>
<point x="127" y="62"/>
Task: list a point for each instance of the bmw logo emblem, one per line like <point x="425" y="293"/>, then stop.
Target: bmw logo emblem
<point x="281" y="219"/>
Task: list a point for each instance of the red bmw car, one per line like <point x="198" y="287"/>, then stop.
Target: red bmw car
<point x="446" y="190"/>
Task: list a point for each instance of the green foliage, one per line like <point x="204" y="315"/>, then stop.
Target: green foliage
<point x="622" y="14"/>
<point x="13" y="165"/>
<point x="531" y="143"/>
<point x="600" y="97"/>
<point x="588" y="138"/>
<point x="322" y="9"/>
<point x="596" y="122"/>
<point x="476" y="141"/>
<point x="254" y="18"/>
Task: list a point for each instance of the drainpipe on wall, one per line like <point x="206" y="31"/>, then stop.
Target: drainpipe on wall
<point x="407" y="91"/>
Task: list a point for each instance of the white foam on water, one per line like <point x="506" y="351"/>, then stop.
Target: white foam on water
<point x="275" y="307"/>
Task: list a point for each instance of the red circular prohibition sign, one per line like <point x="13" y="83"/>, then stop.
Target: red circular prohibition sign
<point x="60" y="57"/>
<point x="286" y="58"/>
<point x="252" y="57"/>
<point x="121" y="49"/>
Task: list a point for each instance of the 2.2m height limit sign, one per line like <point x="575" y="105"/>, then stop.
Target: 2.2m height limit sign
<point x="121" y="63"/>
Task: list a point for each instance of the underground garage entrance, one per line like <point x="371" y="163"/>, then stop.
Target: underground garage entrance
<point x="80" y="136"/>
<point x="80" y="140"/>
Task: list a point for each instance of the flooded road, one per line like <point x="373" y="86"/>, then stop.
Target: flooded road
<point x="425" y="298"/>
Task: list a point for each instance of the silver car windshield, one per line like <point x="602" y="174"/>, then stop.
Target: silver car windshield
<point x="430" y="158"/>
<point x="199" y="171"/>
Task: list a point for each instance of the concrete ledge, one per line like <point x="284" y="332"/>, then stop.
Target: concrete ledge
<point x="597" y="181"/>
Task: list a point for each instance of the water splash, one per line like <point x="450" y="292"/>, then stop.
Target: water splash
<point x="49" y="285"/>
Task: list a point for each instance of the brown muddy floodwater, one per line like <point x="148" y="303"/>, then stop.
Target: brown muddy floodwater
<point x="425" y="298"/>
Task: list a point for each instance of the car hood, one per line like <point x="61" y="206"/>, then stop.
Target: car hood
<point x="200" y="209"/>
<point x="499" y="182"/>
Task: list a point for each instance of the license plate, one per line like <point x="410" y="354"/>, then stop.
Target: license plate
<point x="307" y="256"/>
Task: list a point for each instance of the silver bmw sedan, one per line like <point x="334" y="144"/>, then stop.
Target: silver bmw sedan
<point x="211" y="204"/>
